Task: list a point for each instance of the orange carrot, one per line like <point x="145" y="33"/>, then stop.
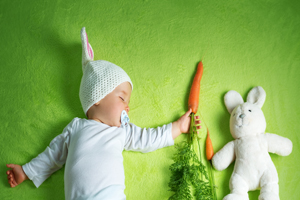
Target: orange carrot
<point x="209" y="147"/>
<point x="195" y="89"/>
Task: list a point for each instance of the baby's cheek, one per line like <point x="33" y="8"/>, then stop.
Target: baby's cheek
<point x="118" y="113"/>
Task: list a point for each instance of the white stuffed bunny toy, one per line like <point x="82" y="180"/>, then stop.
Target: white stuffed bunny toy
<point x="253" y="167"/>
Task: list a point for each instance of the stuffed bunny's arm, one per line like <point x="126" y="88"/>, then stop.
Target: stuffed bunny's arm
<point x="223" y="158"/>
<point x="278" y="144"/>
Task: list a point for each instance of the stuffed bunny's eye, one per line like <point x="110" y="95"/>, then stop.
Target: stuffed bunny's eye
<point x="249" y="110"/>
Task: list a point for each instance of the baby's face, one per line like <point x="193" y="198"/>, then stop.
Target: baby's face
<point x="111" y="106"/>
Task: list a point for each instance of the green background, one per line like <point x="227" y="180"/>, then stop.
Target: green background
<point x="158" y="43"/>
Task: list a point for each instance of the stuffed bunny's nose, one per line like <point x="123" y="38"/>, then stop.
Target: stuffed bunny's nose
<point x="242" y="116"/>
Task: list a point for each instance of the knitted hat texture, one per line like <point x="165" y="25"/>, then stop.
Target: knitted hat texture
<point x="99" y="77"/>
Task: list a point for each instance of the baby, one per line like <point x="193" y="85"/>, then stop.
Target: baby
<point x="91" y="148"/>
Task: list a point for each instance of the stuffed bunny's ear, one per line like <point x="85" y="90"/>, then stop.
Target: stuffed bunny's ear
<point x="232" y="99"/>
<point x="87" y="51"/>
<point x="257" y="96"/>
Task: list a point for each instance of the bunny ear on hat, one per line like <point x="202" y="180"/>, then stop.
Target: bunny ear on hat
<point x="87" y="51"/>
<point x="99" y="78"/>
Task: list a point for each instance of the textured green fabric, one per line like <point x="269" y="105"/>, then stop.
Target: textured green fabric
<point x="158" y="43"/>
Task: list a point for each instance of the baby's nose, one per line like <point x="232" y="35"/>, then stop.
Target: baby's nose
<point x="242" y="116"/>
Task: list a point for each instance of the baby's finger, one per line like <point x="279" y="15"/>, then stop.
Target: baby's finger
<point x="198" y="122"/>
<point x="197" y="117"/>
<point x="10" y="165"/>
<point x="9" y="173"/>
<point x="198" y="127"/>
<point x="10" y="182"/>
<point x="12" y="185"/>
<point x="14" y="182"/>
<point x="188" y="113"/>
<point x="9" y="177"/>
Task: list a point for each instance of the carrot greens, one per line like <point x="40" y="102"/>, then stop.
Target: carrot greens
<point x="188" y="172"/>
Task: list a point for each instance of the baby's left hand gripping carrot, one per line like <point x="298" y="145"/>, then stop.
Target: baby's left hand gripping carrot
<point x="195" y="89"/>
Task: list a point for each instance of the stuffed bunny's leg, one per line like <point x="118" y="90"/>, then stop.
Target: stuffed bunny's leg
<point x="238" y="187"/>
<point x="269" y="192"/>
<point x="269" y="185"/>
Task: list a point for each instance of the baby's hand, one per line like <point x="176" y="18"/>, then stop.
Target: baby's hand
<point x="182" y="125"/>
<point x="16" y="175"/>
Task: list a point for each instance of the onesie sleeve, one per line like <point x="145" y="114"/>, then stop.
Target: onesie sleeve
<point x="147" y="140"/>
<point x="52" y="159"/>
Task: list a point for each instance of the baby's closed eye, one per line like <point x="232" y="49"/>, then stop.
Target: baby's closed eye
<point x="122" y="98"/>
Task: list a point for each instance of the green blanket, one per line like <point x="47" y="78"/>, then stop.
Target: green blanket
<point x="158" y="43"/>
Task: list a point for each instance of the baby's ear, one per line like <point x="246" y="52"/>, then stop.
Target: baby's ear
<point x="87" y="51"/>
<point x="232" y="99"/>
<point x="257" y="96"/>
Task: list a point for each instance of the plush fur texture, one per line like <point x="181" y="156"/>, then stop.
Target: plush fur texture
<point x="253" y="167"/>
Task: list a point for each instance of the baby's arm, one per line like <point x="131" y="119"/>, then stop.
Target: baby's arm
<point x="278" y="144"/>
<point x="49" y="161"/>
<point x="46" y="163"/>
<point x="147" y="140"/>
<point x="16" y="175"/>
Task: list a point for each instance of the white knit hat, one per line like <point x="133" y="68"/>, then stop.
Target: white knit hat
<point x="99" y="77"/>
